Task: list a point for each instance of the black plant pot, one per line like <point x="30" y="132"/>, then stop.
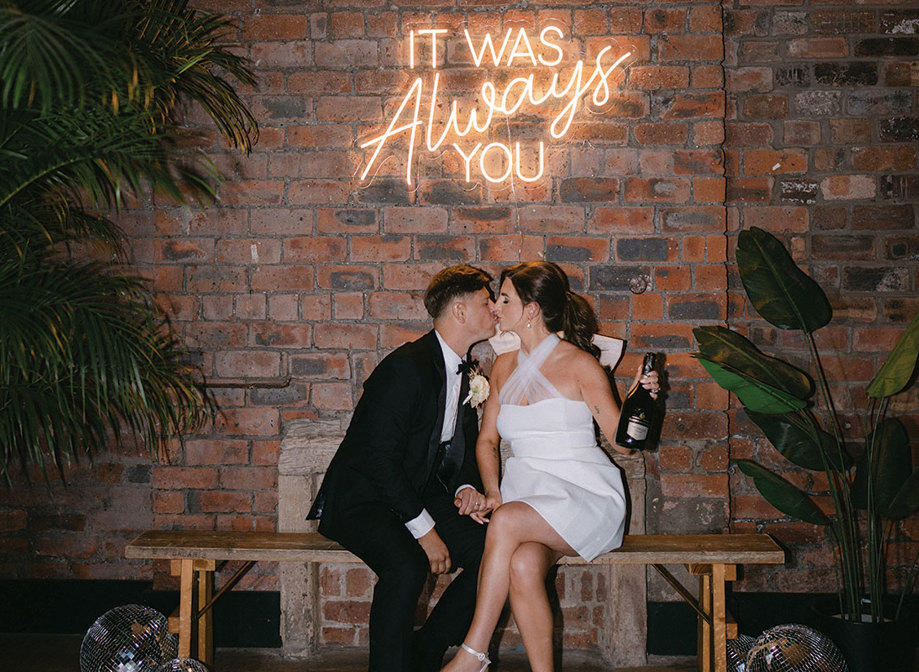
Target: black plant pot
<point x="889" y="646"/>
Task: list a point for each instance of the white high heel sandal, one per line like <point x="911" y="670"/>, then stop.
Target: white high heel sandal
<point x="482" y="657"/>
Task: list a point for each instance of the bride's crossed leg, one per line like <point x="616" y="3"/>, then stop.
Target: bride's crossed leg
<point x="520" y="548"/>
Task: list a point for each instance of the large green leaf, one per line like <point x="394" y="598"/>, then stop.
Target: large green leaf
<point x="753" y="394"/>
<point x="782" y="494"/>
<point x="897" y="371"/>
<point x="730" y="349"/>
<point x="798" y="438"/>
<point x="891" y="467"/>
<point x="780" y="291"/>
<point x="906" y="503"/>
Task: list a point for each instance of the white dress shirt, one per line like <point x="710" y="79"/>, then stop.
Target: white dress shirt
<point x="424" y="523"/>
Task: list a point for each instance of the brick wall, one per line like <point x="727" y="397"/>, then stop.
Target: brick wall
<point x="801" y="118"/>
<point x="822" y="130"/>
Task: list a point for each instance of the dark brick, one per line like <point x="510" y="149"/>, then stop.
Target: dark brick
<point x="843" y="247"/>
<point x="614" y="278"/>
<point x="766" y="107"/>
<point x="844" y="22"/>
<point x="900" y="187"/>
<point x="883" y="217"/>
<point x="793" y="75"/>
<point x="900" y="310"/>
<point x="867" y="279"/>
<point x="829" y="217"/>
<point x="356" y="218"/>
<point x="279" y="397"/>
<point x="899" y="248"/>
<point x="57" y="521"/>
<point x="642" y="249"/>
<point x="352" y="280"/>
<point x="440" y="248"/>
<point x="581" y="189"/>
<point x="799" y="191"/>
<point x="863" y="103"/>
<point x="899" y="129"/>
<point x="384" y="190"/>
<point x="694" y="310"/>
<point x="888" y="46"/>
<point x="741" y="190"/>
<point x="846" y="74"/>
<point x="560" y="253"/>
<point x="450" y="192"/>
<point x="900" y="21"/>
<point x="669" y="342"/>
<point x="286" y="107"/>
<point x="139" y="473"/>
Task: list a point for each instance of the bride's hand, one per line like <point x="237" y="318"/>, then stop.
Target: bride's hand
<point x="492" y="502"/>
<point x="650" y="382"/>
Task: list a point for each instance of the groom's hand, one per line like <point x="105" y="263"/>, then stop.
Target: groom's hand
<point x="436" y="550"/>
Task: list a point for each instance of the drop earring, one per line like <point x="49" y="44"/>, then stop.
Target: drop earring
<point x="528" y="325"/>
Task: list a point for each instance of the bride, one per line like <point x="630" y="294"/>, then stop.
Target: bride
<point x="560" y="494"/>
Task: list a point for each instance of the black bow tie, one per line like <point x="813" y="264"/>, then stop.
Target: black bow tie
<point x="466" y="366"/>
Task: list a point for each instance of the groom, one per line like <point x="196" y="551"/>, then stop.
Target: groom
<point x="390" y="494"/>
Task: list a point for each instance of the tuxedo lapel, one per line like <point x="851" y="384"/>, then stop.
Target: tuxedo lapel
<point x="439" y="379"/>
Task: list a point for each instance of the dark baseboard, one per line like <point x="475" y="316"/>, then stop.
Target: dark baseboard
<point x="252" y="618"/>
<point x="672" y="625"/>
<point x="245" y="618"/>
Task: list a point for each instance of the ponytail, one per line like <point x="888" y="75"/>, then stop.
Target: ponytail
<point x="579" y="323"/>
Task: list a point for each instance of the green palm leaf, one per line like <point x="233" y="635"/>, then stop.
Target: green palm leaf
<point x="780" y="291"/>
<point x="801" y="441"/>
<point x="895" y="374"/>
<point x="732" y="350"/>
<point x="755" y="395"/>
<point x="783" y="495"/>
<point x="890" y="467"/>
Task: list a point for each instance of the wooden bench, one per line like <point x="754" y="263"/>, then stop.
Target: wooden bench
<point x="194" y="556"/>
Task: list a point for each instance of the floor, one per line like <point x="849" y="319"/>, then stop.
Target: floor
<point x="61" y="653"/>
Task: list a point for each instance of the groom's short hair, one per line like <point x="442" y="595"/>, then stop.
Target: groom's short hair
<point x="451" y="282"/>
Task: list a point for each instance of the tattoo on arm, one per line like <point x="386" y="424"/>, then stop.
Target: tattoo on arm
<point x="596" y="409"/>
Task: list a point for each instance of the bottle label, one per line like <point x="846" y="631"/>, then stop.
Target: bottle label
<point x="637" y="429"/>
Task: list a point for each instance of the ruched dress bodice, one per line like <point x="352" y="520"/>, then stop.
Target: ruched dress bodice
<point x="557" y="468"/>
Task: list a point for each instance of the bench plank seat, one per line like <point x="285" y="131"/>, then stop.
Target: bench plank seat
<point x="194" y="554"/>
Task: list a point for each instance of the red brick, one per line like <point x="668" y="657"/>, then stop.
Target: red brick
<point x="345" y="336"/>
<point x="318" y="192"/>
<point x="818" y="47"/>
<point x="221" y="502"/>
<point x="624" y="20"/>
<point x="343" y="54"/>
<point x="287" y="54"/>
<point x="483" y="219"/>
<point x="269" y="334"/>
<point x="690" y="48"/>
<point x="621" y="220"/>
<point x="215" y="451"/>
<point x="249" y="478"/>
<point x="660" y="190"/>
<point x="768" y="106"/>
<point x="774" y="162"/>
<point x="348" y="305"/>
<point x="511" y="248"/>
<point x="705" y="19"/>
<point x="551" y="219"/>
<point x="331" y="396"/>
<point x="709" y="189"/>
<point x="651" y="77"/>
<point x="286" y="277"/>
<point x="414" y="220"/>
<point x="694" y="485"/>
<point x="661" y="133"/>
<point x="777" y="219"/>
<point x="182" y="478"/>
<point x="315" y="249"/>
<point x="902" y="157"/>
<point x="248" y="421"/>
<point x="274" y="27"/>
<point x="252" y="192"/>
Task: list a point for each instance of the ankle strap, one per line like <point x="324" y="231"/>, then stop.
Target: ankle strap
<point x="483" y="657"/>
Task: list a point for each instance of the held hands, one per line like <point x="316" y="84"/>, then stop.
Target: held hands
<point x="436" y="550"/>
<point x="474" y="504"/>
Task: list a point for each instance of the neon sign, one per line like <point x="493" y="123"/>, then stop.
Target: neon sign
<point x="549" y="90"/>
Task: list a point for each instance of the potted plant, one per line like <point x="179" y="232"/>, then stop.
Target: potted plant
<point x="868" y="473"/>
<point x="90" y="100"/>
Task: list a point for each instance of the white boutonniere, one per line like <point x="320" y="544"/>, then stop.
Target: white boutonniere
<point x="478" y="387"/>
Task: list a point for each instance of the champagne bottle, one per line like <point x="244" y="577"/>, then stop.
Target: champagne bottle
<point x="637" y="413"/>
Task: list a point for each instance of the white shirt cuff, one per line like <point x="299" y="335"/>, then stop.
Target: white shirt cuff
<point x="421" y="524"/>
<point x="462" y="487"/>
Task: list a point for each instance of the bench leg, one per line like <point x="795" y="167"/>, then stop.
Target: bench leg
<point x="704" y="635"/>
<point x="206" y="620"/>
<point x="187" y="604"/>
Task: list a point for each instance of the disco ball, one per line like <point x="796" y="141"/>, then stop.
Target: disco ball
<point x="794" y="648"/>
<point x="182" y="665"/>
<point x="737" y="652"/>
<point x="130" y="638"/>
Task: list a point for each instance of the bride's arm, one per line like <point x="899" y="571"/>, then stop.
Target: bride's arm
<point x="595" y="389"/>
<point x="488" y="445"/>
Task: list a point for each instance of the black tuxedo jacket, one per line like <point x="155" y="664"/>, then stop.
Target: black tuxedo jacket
<point x="389" y="451"/>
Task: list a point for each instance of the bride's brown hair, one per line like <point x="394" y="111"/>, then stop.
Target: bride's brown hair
<point x="562" y="310"/>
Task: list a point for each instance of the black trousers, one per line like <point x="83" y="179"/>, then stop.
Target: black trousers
<point x="381" y="540"/>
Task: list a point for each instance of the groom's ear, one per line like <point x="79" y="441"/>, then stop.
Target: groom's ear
<point x="458" y="310"/>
